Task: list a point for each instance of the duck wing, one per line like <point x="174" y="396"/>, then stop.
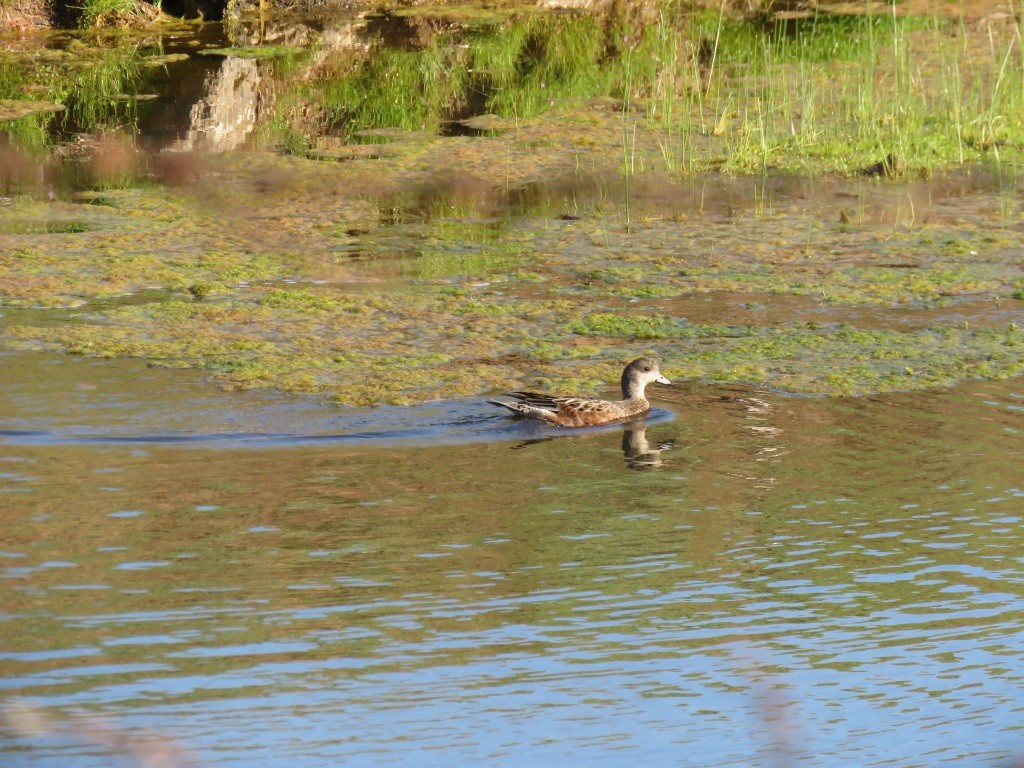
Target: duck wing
<point x="571" y="405"/>
<point x="538" y="399"/>
<point x="567" y="411"/>
<point x="588" y="406"/>
<point x="582" y="411"/>
<point x="525" y="408"/>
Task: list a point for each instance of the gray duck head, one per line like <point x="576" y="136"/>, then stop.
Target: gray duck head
<point x="638" y="375"/>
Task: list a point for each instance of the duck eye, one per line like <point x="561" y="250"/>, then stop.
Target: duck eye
<point x="647" y="369"/>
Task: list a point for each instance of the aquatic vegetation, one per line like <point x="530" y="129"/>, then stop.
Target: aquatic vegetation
<point x="254" y="51"/>
<point x="544" y="241"/>
<point x="306" y="302"/>
<point x="845" y="361"/>
<point x="445" y="297"/>
<point x="43" y="227"/>
<point x="85" y="89"/>
<point x="623" y="326"/>
<point x="370" y="349"/>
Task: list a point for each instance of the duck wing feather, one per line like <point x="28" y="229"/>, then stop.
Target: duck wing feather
<point x="581" y="405"/>
<point x="536" y="399"/>
<point x="572" y="411"/>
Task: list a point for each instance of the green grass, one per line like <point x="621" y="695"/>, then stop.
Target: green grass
<point x="99" y="12"/>
<point x="845" y="92"/>
<point x="410" y="90"/>
<point x="829" y="92"/>
<point x="90" y="81"/>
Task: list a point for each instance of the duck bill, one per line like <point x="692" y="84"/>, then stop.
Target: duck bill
<point x="662" y="380"/>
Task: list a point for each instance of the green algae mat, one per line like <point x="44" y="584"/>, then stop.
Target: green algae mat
<point x="437" y="288"/>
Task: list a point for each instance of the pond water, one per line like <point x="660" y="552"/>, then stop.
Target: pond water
<point x="785" y="581"/>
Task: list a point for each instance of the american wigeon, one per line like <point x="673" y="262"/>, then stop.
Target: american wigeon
<point x="586" y="411"/>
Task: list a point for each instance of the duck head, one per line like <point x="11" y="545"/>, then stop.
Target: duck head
<point x="638" y="375"/>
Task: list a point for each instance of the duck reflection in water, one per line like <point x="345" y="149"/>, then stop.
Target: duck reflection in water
<point x="637" y="450"/>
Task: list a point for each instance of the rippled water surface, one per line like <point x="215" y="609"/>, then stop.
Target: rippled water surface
<point x="820" y="581"/>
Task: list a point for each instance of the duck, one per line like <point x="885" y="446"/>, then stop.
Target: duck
<point x="570" y="411"/>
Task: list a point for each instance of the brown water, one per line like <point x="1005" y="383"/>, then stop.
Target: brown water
<point x="821" y="581"/>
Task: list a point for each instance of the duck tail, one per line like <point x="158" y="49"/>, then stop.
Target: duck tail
<point x="510" y="406"/>
<point x="526" y="411"/>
